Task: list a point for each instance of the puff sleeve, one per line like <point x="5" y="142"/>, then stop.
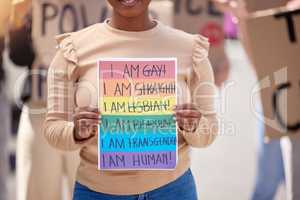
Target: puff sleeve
<point x="59" y="126"/>
<point x="203" y="91"/>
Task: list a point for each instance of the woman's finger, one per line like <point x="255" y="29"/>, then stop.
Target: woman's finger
<point x="187" y="120"/>
<point x="94" y="130"/>
<point x="188" y="125"/>
<point x="174" y="117"/>
<point x="187" y="106"/>
<point x="87" y="109"/>
<point x="87" y="127"/>
<point x="88" y="122"/>
<point x="86" y="115"/>
<point x="188" y="114"/>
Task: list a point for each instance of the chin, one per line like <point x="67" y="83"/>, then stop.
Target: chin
<point x="130" y="8"/>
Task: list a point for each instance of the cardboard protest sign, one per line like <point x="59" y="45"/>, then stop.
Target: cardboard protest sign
<point x="273" y="40"/>
<point x="137" y="130"/>
<point x="256" y="5"/>
<point x="201" y="17"/>
<point x="54" y="17"/>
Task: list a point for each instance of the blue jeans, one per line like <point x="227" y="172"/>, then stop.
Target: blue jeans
<point x="183" y="188"/>
<point x="270" y="170"/>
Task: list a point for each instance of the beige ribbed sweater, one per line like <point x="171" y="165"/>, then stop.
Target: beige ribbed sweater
<point x="72" y="82"/>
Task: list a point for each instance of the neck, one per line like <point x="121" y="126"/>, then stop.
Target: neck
<point x="140" y="23"/>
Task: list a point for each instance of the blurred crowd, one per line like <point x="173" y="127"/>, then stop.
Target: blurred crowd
<point x="27" y="31"/>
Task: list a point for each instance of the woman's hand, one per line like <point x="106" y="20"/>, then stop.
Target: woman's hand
<point x="86" y="121"/>
<point x="187" y="117"/>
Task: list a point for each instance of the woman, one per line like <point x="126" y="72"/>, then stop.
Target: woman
<point x="72" y="80"/>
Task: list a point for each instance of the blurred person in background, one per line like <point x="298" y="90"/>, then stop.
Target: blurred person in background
<point x="270" y="171"/>
<point x="273" y="168"/>
<point x="221" y="67"/>
<point x="4" y="105"/>
<point x="34" y="24"/>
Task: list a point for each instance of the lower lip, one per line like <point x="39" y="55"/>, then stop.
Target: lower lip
<point x="129" y="3"/>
